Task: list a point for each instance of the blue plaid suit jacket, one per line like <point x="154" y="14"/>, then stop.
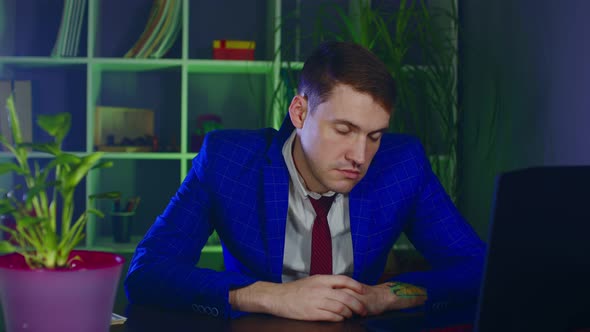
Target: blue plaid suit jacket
<point x="238" y="186"/>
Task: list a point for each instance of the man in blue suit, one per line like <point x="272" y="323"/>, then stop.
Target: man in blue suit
<point x="307" y="215"/>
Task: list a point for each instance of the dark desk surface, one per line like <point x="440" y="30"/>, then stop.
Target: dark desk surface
<point x="151" y="319"/>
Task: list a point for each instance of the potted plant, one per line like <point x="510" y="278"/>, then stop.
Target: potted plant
<point x="46" y="284"/>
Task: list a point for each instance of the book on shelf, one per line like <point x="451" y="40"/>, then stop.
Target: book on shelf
<point x="168" y="33"/>
<point x="22" y="93"/>
<point x="161" y="31"/>
<point x="68" y="37"/>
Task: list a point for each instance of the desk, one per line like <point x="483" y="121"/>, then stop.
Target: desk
<point x="151" y="319"/>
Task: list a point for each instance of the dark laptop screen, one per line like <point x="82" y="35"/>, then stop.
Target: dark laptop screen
<point x="537" y="275"/>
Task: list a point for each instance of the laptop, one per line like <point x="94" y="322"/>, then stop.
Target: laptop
<point x="537" y="275"/>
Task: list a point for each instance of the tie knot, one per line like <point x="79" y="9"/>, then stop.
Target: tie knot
<point x="322" y="205"/>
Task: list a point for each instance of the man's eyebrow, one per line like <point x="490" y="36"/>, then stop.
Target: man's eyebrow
<point x="352" y="125"/>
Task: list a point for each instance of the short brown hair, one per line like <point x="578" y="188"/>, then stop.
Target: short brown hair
<point x="347" y="63"/>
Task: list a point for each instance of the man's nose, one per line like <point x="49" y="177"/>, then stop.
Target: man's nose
<point x="357" y="152"/>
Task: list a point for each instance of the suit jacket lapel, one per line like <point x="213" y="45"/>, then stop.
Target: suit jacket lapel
<point x="360" y="221"/>
<point x="276" y="201"/>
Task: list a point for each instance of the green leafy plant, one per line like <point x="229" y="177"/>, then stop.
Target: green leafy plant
<point x="427" y="103"/>
<point x="43" y="208"/>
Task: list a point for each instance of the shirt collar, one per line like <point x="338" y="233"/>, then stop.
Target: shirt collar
<point x="298" y="181"/>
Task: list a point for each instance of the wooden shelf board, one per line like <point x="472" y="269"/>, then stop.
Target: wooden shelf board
<point x="40" y="61"/>
<point x="229" y="66"/>
<point x="106" y="243"/>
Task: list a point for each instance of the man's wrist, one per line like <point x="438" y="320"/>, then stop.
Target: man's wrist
<point x="403" y="290"/>
<point x="402" y="295"/>
<point x="253" y="298"/>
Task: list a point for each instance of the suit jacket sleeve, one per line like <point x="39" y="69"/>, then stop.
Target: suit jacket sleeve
<point x="163" y="270"/>
<point x="454" y="251"/>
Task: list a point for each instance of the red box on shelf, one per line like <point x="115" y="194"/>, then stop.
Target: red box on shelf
<point x="233" y="49"/>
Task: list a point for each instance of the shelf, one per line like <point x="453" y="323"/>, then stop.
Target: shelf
<point x="148" y="155"/>
<point x="41" y="61"/>
<point x="295" y="65"/>
<point x="117" y="155"/>
<point x="41" y="155"/>
<point x="133" y="65"/>
<point x="229" y="66"/>
<point x="124" y="64"/>
<point x="183" y="85"/>
<point x="106" y="243"/>
<point x="138" y="65"/>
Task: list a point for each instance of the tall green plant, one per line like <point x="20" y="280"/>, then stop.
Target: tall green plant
<point x="427" y="96"/>
<point x="42" y="235"/>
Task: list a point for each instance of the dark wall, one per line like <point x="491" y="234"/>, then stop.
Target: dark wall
<point x="525" y="76"/>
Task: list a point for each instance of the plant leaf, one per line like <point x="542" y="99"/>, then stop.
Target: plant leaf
<point x="57" y="125"/>
<point x="51" y="148"/>
<point x="103" y="164"/>
<point x="96" y="212"/>
<point x="64" y="158"/>
<point x="5" y="142"/>
<point x="71" y="179"/>
<point x="10" y="167"/>
<point x="14" y="122"/>
<point x="38" y="188"/>
<point x="106" y="195"/>
<point x="26" y="221"/>
<point x="6" y="209"/>
<point x="6" y="247"/>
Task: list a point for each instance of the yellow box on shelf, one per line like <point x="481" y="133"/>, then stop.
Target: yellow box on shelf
<point x="233" y="49"/>
<point x="234" y="44"/>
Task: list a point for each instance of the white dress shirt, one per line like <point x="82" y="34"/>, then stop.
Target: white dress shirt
<point x="300" y="218"/>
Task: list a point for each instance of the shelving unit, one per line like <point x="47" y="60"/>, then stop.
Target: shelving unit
<point x="179" y="87"/>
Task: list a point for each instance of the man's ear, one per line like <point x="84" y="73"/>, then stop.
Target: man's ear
<point x="298" y="111"/>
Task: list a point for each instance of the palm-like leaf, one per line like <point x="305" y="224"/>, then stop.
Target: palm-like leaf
<point x="36" y="217"/>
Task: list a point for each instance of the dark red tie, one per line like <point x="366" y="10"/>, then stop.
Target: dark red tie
<point x="321" y="240"/>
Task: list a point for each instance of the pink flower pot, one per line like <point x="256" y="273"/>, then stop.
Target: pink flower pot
<point x="77" y="299"/>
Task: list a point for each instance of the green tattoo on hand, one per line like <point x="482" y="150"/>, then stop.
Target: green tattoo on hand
<point x="401" y="289"/>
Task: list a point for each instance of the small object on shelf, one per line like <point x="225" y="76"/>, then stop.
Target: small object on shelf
<point x="172" y="145"/>
<point x="122" y="226"/>
<point x="131" y="205"/>
<point x="233" y="49"/>
<point x="155" y="144"/>
<point x="122" y="219"/>
<point x="205" y="124"/>
<point x="123" y="129"/>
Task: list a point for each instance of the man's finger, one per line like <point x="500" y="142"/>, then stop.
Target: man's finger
<point x="345" y="282"/>
<point x="329" y="316"/>
<point x="346" y="297"/>
<point x="336" y="307"/>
